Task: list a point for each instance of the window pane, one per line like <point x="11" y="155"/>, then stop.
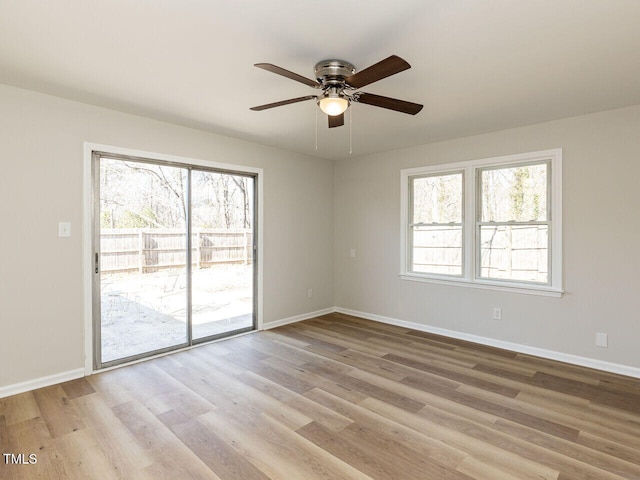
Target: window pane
<point x="514" y="252"/>
<point x="514" y="194"/>
<point x="222" y="276"/>
<point x="437" y="249"/>
<point x="143" y="262"/>
<point x="437" y="199"/>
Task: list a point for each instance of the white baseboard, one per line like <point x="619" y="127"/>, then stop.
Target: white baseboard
<point x="41" y="382"/>
<point x="297" y="318"/>
<point x="514" y="347"/>
<point x="29" y="385"/>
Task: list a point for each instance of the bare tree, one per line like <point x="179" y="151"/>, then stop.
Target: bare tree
<point x="136" y="194"/>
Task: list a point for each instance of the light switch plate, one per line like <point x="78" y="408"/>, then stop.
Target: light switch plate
<point x="602" y="340"/>
<point x="64" y="229"/>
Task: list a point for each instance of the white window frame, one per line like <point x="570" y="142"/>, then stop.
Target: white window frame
<point x="470" y="251"/>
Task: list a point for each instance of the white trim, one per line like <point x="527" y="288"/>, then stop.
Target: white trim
<point x="485" y="162"/>
<point x="41" y="382"/>
<point x="556" y="219"/>
<point x="29" y="385"/>
<point x="298" y="318"/>
<point x="514" y="347"/>
<point x="87" y="255"/>
<point x="81" y="372"/>
<point x="404" y="220"/>
<point x="90" y="147"/>
<point x="486" y="285"/>
<point x="469" y="278"/>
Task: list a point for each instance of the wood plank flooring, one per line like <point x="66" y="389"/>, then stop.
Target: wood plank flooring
<point x="336" y="397"/>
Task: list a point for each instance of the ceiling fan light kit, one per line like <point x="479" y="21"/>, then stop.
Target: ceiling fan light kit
<point x="339" y="81"/>
<point x="332" y="102"/>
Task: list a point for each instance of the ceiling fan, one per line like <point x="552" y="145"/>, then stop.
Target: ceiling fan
<point x="339" y="81"/>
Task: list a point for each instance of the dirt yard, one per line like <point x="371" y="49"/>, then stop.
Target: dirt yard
<point x="142" y="313"/>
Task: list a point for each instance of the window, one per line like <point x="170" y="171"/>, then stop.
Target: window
<point x="492" y="223"/>
<point x="436" y="223"/>
<point x="513" y="223"/>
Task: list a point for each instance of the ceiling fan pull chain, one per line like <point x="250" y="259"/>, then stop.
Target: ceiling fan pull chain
<point x="316" y="112"/>
<point x="350" y="129"/>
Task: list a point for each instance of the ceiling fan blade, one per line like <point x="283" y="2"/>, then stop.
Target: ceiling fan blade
<point x="390" y="103"/>
<point x="383" y="69"/>
<point x="286" y="73"/>
<point x="336" y="120"/>
<point x="283" y="102"/>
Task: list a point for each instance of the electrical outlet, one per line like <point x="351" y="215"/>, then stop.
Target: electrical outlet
<point x="310" y="293"/>
<point x="602" y="340"/>
<point x="497" y="313"/>
<point x="352" y="253"/>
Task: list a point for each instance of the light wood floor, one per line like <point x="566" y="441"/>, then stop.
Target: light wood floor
<point x="332" y="398"/>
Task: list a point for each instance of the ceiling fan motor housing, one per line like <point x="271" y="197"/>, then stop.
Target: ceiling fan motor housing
<point x="333" y="72"/>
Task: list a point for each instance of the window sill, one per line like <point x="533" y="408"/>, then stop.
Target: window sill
<point x="486" y="285"/>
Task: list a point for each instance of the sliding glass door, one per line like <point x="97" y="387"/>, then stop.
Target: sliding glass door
<point x="174" y="248"/>
<point x="222" y="239"/>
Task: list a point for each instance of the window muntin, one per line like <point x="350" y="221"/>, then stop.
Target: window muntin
<point x="436" y="225"/>
<point x="531" y="220"/>
<point x="513" y="226"/>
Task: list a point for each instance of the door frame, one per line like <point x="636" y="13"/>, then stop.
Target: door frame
<point x="88" y="234"/>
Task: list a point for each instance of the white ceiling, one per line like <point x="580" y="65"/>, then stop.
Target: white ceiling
<point x="477" y="65"/>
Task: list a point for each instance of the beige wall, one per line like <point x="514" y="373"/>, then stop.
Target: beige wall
<point x="601" y="209"/>
<point x="306" y="199"/>
<point x="41" y="183"/>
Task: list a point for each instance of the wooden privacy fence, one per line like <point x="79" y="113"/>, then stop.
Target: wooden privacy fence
<point x="149" y="250"/>
<point x="515" y="252"/>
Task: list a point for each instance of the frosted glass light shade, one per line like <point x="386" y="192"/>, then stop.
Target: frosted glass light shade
<point x="333" y="105"/>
